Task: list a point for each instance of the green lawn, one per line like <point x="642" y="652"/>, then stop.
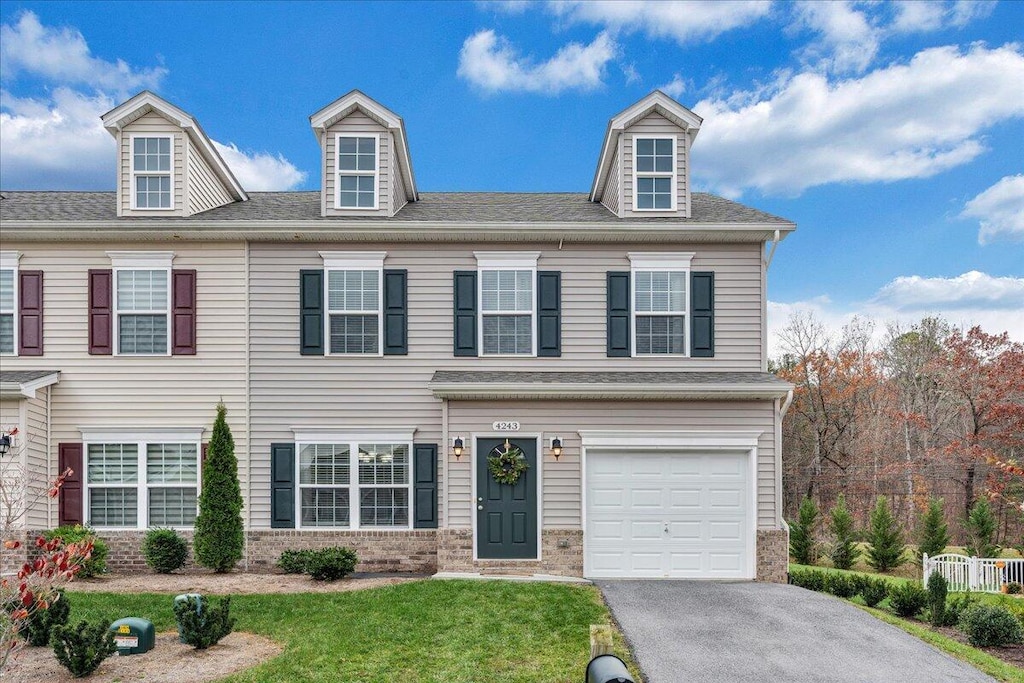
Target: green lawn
<point x="422" y="631"/>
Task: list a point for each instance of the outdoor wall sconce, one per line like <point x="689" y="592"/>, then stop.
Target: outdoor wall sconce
<point x="5" y="444"/>
<point x="457" y="446"/>
<point x="556" y="447"/>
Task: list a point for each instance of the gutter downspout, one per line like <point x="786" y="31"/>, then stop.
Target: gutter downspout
<point x="248" y="418"/>
<point x="778" y="450"/>
<point x="771" y="254"/>
<point x="444" y="460"/>
<point x="49" y="459"/>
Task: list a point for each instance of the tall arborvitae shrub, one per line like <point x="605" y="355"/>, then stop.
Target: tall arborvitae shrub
<point x="219" y="539"/>
<point x="981" y="526"/>
<point x="802" y="545"/>
<point x="844" y="551"/>
<point x="932" y="532"/>
<point x="886" y="538"/>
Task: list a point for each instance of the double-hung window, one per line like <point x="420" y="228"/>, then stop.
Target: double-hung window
<point x="357" y="169"/>
<point x="8" y="302"/>
<point x="660" y="308"/>
<point x="353" y="305"/>
<point x="356" y="484"/>
<point x="142" y="481"/>
<point x="655" y="174"/>
<point x="151" y="172"/>
<point x="508" y="303"/>
<point x="142" y="306"/>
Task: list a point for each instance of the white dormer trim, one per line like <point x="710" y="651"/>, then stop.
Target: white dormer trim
<point x="120" y="116"/>
<point x="506" y="259"/>
<point x="658" y="102"/>
<point x="140" y="259"/>
<point x="354" y="260"/>
<point x="660" y="260"/>
<point x="345" y="105"/>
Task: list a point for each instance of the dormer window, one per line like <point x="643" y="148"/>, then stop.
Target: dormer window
<point x="151" y="172"/>
<point x="357" y="172"/>
<point x="655" y="174"/>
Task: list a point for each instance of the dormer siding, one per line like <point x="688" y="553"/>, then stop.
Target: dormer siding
<point x="152" y="124"/>
<point x="398" y="190"/>
<point x="205" y="192"/>
<point x="612" y="197"/>
<point x="360" y="124"/>
<point x="654" y="125"/>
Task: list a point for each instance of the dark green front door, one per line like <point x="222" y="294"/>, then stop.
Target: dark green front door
<point x="506" y="515"/>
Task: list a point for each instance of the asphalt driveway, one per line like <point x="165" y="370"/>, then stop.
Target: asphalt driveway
<point x="682" y="631"/>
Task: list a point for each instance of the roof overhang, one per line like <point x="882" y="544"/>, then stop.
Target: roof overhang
<point x="357" y="100"/>
<point x="27" y="388"/>
<point x="143" y="103"/>
<point x="657" y="102"/>
<point x="467" y="391"/>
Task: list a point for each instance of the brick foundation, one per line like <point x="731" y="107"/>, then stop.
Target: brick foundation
<point x="773" y="555"/>
<point x="11" y="560"/>
<point x="455" y="554"/>
<point x="379" y="551"/>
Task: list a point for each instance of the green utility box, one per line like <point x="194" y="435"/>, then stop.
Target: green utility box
<point x="178" y="599"/>
<point x="133" y="635"/>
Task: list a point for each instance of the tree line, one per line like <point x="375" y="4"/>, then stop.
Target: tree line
<point x="920" y="412"/>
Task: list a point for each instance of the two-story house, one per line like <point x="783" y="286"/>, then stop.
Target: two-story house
<point x="562" y="383"/>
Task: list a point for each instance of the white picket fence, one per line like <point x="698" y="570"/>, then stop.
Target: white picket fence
<point x="985" y="574"/>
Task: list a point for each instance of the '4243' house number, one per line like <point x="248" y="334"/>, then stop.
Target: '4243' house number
<point x="505" y="426"/>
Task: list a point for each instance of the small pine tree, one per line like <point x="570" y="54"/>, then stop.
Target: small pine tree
<point x="886" y="538"/>
<point x="933" y="534"/>
<point x="801" y="533"/>
<point x="844" y="550"/>
<point x="219" y="538"/>
<point x="981" y="526"/>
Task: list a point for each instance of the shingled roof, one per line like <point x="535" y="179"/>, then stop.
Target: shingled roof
<point x="437" y="207"/>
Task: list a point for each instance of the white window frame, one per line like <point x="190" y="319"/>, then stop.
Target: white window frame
<point x="339" y="260"/>
<point x="135" y="173"/>
<point x="9" y="261"/>
<point x="338" y="173"/>
<point x="127" y="261"/>
<point x="497" y="261"/>
<point x="647" y="262"/>
<point x="104" y="436"/>
<point x="309" y="436"/>
<point x="655" y="174"/>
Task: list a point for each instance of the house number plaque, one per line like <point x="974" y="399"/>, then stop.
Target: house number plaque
<point x="505" y="426"/>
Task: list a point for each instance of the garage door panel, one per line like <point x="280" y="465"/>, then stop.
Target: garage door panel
<point x="668" y="515"/>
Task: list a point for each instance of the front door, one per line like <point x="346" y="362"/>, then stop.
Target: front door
<point x="506" y="515"/>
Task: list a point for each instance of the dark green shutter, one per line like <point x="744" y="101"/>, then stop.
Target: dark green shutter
<point x="282" y="486"/>
<point x="549" y="313"/>
<point x="311" y="310"/>
<point x="618" y="315"/>
<point x="425" y="485"/>
<point x="396" y="313"/>
<point x="465" y="313"/>
<point x="702" y="314"/>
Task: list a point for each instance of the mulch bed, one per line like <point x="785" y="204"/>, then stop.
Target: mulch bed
<point x="1011" y="654"/>
<point x="231" y="583"/>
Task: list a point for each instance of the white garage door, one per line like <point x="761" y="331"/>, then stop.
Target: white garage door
<point x="668" y="515"/>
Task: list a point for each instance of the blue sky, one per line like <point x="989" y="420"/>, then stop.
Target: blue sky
<point x="891" y="133"/>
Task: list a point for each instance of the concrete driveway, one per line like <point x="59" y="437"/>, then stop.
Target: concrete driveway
<point x="682" y="631"/>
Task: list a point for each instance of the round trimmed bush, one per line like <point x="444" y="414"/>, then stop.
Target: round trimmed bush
<point x="908" y="599"/>
<point x="840" y="585"/>
<point x="97" y="563"/>
<point x="873" y="591"/>
<point x="991" y="626"/>
<point x="330" y="564"/>
<point x="294" y="561"/>
<point x="164" y="550"/>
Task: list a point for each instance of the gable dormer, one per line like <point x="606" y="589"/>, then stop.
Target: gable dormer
<point x="166" y="166"/>
<point x="364" y="158"/>
<point x="644" y="169"/>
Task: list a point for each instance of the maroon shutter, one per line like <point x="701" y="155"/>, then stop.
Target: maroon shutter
<point x="69" y="503"/>
<point x="202" y="459"/>
<point x="101" y="312"/>
<point x="30" y="313"/>
<point x="183" y="312"/>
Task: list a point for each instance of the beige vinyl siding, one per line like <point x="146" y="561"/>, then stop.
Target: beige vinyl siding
<point x="398" y="196"/>
<point x="35" y="459"/>
<point x="13" y="464"/>
<point x="142" y="392"/>
<point x="654" y="125"/>
<point x="152" y="124"/>
<point x="562" y="482"/>
<point x="612" y="187"/>
<point x="205" y="191"/>
<point x="358" y="123"/>
<point x="288" y="389"/>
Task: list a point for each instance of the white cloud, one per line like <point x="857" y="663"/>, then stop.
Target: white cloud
<point x="909" y="120"/>
<point x="61" y="55"/>
<point x="491" y="62"/>
<point x="1000" y="209"/>
<point x="260" y="172"/>
<point x="675" y="87"/>
<point x="912" y="17"/>
<point x="848" y="41"/>
<point x="964" y="12"/>
<point x="973" y="298"/>
<point x="684" y="22"/>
